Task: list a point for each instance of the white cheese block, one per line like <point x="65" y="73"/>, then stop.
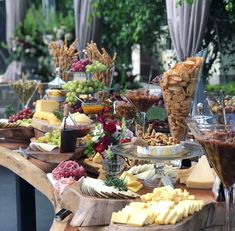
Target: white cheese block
<point x="169" y="150"/>
<point x="202" y="175"/>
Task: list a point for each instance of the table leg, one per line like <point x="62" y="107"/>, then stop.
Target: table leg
<point x="25" y="199"/>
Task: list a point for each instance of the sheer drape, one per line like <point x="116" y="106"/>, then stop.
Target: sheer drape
<point x="87" y="27"/>
<point x="15" y="11"/>
<point x="187" y="24"/>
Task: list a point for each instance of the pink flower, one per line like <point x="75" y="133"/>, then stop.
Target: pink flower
<point x="110" y="127"/>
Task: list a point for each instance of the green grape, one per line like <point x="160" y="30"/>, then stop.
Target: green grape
<point x="90" y="89"/>
<point x="47" y="135"/>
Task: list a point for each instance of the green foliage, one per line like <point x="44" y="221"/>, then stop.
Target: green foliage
<point x="120" y="184"/>
<point x="220" y="35"/>
<point x="89" y="149"/>
<point x="229" y="89"/>
<point x="30" y="40"/>
<point x="59" y="114"/>
<point x="9" y="110"/>
<point x="127" y="22"/>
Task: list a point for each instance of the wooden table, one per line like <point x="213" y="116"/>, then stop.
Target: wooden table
<point x="211" y="216"/>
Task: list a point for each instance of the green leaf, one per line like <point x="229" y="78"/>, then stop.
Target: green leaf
<point x="120" y="184"/>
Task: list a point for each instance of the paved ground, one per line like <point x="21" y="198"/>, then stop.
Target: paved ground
<point x="8" y="221"/>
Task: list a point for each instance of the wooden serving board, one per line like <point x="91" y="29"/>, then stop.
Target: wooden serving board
<point x="55" y="156"/>
<point x="13" y="145"/>
<point x="88" y="210"/>
<point x="43" y="126"/>
<point x="17" y="135"/>
<point x="91" y="166"/>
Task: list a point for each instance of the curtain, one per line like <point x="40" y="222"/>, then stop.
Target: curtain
<point x="15" y="11"/>
<point x="187" y="24"/>
<point x="86" y="28"/>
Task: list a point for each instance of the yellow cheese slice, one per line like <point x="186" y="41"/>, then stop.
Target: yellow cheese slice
<point x="151" y="218"/>
<point x="132" y="182"/>
<point x="138" y="205"/>
<point x="128" y="177"/>
<point x="138" y="218"/>
<point x="202" y="175"/>
<point x="119" y="217"/>
<point x="135" y="186"/>
<point x="170" y="216"/>
<point x="97" y="158"/>
<point x="160" y="219"/>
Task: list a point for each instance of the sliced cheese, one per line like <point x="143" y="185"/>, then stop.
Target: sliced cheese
<point x="170" y="216"/>
<point x="138" y="218"/>
<point x="132" y="182"/>
<point x="160" y="219"/>
<point x="138" y="205"/>
<point x="134" y="186"/>
<point x="119" y="217"/>
<point x="128" y="177"/>
<point x="202" y="175"/>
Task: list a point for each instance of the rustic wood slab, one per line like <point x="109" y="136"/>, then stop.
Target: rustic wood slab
<point x="18" y="134"/>
<point x="87" y="210"/>
<point x="43" y="126"/>
<point x="91" y="166"/>
<point x="55" y="156"/>
<point x="13" y="145"/>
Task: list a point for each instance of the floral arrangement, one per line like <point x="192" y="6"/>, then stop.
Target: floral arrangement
<point x="105" y="135"/>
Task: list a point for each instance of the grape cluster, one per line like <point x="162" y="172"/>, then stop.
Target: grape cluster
<point x="68" y="169"/>
<point x="96" y="66"/>
<point x="75" y="88"/>
<point x="51" y="138"/>
<point x="23" y="114"/>
<point x="80" y="65"/>
<point x="76" y="108"/>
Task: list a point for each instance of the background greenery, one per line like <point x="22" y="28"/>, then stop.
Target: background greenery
<point x="127" y="22"/>
<point x="35" y="32"/>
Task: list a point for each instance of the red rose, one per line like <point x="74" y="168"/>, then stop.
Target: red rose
<point x="122" y="141"/>
<point x="102" y="145"/>
<point x="99" y="147"/>
<point x="110" y="127"/>
<point x="106" y="141"/>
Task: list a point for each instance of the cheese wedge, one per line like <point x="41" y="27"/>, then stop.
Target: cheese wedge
<point x="202" y="175"/>
<point x="97" y="158"/>
<point x="46" y="106"/>
<point x="48" y="116"/>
